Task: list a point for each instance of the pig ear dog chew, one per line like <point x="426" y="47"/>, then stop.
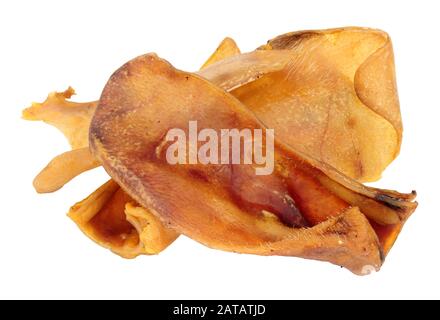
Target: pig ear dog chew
<point x="335" y="211"/>
<point x="330" y="96"/>
<point x="341" y="82"/>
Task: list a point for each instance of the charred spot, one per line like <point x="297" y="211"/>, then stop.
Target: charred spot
<point x="385" y="200"/>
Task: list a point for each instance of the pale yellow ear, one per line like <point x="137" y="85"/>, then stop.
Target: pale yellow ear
<point x="227" y="48"/>
<point x="336" y="100"/>
<point x="363" y="55"/>
<point x="71" y="118"/>
<point x="64" y="168"/>
<point x="113" y="220"/>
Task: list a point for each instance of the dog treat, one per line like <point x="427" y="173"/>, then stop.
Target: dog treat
<point x="224" y="206"/>
<point x="319" y="112"/>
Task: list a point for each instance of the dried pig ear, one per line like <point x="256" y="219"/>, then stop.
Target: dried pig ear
<point x="71" y="118"/>
<point x="227" y="48"/>
<point x="298" y="210"/>
<point x="113" y="220"/>
<point x="336" y="100"/>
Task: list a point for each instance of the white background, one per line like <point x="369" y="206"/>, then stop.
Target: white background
<point x="46" y="46"/>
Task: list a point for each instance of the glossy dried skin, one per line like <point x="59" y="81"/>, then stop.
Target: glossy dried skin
<point x="336" y="100"/>
<point x="227" y="48"/>
<point x="203" y="201"/>
<point x="64" y="168"/>
<point x="365" y="54"/>
<point x="113" y="220"/>
<point x="71" y="118"/>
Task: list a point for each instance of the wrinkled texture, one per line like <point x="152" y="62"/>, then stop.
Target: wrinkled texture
<point x="335" y="210"/>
